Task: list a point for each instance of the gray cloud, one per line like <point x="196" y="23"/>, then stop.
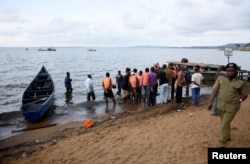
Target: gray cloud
<point x="156" y="22"/>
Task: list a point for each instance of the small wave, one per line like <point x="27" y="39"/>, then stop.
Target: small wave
<point x="12" y="86"/>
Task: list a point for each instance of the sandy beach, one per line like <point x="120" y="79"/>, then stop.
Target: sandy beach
<point x="170" y="133"/>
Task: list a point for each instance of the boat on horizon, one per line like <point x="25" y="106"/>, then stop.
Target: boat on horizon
<point x="51" y="49"/>
<point x="91" y="49"/>
<point x="38" y="96"/>
<point x="42" y="49"/>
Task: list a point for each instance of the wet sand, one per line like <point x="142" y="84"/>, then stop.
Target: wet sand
<point x="158" y="135"/>
<point x="13" y="123"/>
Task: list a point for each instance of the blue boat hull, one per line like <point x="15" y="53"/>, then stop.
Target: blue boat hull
<point x="38" y="97"/>
<point x="34" y="112"/>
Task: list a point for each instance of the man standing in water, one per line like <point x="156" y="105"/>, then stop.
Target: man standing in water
<point x="233" y="92"/>
<point x="90" y="88"/>
<point x="67" y="82"/>
<point x="107" y="87"/>
<point x="118" y="82"/>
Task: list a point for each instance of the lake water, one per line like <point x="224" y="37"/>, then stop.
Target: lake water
<point x="19" y="66"/>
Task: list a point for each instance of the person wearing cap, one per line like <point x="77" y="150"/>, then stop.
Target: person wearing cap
<point x="67" y="82"/>
<point x="232" y="92"/>
<point x="89" y="88"/>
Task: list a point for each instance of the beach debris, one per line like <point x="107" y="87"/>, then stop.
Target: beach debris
<point x="112" y="117"/>
<point x="190" y="114"/>
<point x="24" y="155"/>
<point x="37" y="141"/>
<point x="178" y="110"/>
<point x="54" y="141"/>
<point x="88" y="123"/>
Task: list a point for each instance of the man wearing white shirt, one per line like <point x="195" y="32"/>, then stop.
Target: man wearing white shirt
<point x="89" y="88"/>
<point x="196" y="79"/>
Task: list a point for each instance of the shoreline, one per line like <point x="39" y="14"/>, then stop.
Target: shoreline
<point x="160" y="134"/>
<point x="73" y="112"/>
<point x="19" y="143"/>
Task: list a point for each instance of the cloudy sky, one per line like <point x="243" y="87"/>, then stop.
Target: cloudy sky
<point x="124" y="22"/>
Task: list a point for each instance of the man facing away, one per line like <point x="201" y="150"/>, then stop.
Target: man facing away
<point x="163" y="84"/>
<point x="118" y="82"/>
<point x="169" y="75"/>
<point x="90" y="88"/>
<point x="233" y="92"/>
<point x="107" y="87"/>
<point x="125" y="84"/>
<point x="67" y="82"/>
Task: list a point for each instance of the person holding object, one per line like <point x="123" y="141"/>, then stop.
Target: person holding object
<point x="67" y="82"/>
<point x="233" y="92"/>
<point x="90" y="88"/>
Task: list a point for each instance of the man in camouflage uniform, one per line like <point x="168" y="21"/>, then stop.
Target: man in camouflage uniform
<point x="232" y="92"/>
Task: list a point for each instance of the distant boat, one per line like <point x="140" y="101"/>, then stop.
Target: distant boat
<point x="38" y="96"/>
<point x="91" y="49"/>
<point x="51" y="49"/>
<point x="26" y="49"/>
<point x="41" y="49"/>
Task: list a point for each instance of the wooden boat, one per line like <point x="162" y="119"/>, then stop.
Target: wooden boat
<point x="208" y="70"/>
<point x="38" y="96"/>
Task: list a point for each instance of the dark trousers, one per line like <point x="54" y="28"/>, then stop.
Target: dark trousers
<point x="152" y="98"/>
<point x="179" y="94"/>
<point x="69" y="88"/>
<point x="91" y="94"/>
<point x="119" y="89"/>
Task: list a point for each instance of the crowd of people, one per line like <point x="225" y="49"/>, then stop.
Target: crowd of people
<point x="142" y="87"/>
<point x="167" y="81"/>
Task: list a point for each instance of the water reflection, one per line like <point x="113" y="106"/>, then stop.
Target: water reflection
<point x="68" y="98"/>
<point x="110" y="108"/>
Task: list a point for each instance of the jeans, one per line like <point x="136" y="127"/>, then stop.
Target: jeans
<point x="179" y="94"/>
<point x="163" y="93"/>
<point x="196" y="96"/>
